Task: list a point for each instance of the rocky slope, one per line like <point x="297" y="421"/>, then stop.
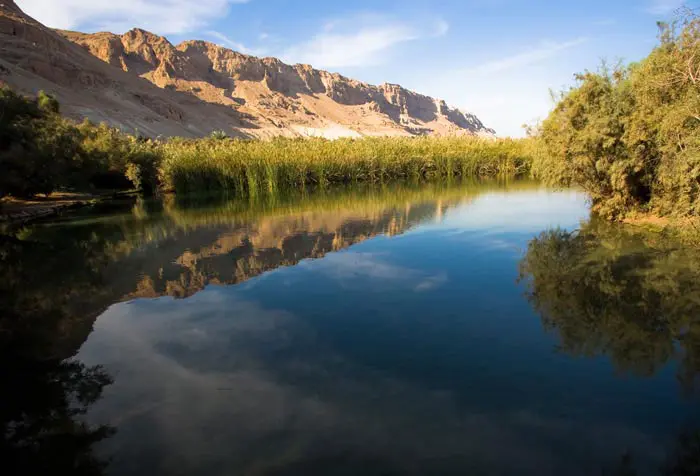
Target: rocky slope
<point x="140" y="81"/>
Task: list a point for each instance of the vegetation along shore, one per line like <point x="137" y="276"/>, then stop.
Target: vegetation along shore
<point x="627" y="135"/>
<point x="630" y="135"/>
<point x="41" y="152"/>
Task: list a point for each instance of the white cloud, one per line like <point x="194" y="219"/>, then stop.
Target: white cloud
<point x="360" y="41"/>
<point x="354" y="268"/>
<point x="362" y="48"/>
<point x="159" y="16"/>
<point x="542" y="52"/>
<point x="441" y="28"/>
<point x="200" y="383"/>
<point x="234" y="45"/>
<point x="508" y="91"/>
<point x="664" y="7"/>
<point x="353" y="264"/>
<point x="430" y="283"/>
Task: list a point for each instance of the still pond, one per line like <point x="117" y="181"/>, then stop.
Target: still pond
<point x="468" y="329"/>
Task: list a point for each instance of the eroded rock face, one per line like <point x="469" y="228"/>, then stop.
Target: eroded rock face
<point x="196" y="87"/>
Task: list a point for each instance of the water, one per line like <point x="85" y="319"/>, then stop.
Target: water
<point x="395" y="331"/>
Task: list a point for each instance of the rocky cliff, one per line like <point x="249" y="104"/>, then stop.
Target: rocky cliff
<point x="140" y="81"/>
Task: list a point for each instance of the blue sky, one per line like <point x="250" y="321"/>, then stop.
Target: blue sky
<point x="496" y="58"/>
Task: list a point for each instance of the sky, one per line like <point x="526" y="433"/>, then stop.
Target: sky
<point x="498" y="59"/>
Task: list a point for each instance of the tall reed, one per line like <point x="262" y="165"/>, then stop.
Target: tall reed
<point x="251" y="167"/>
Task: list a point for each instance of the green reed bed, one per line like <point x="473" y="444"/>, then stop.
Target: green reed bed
<point x="252" y="167"/>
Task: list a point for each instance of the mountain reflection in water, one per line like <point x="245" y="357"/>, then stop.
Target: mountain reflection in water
<point x="305" y="347"/>
<point x="57" y="277"/>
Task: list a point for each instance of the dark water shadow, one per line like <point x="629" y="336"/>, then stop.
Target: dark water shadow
<point x="632" y="297"/>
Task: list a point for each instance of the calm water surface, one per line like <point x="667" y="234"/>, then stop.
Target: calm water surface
<point x="396" y="331"/>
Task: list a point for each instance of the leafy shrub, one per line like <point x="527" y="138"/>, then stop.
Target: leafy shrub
<point x="48" y="103"/>
<point x="630" y="136"/>
<point x="36" y="145"/>
<point x="40" y="151"/>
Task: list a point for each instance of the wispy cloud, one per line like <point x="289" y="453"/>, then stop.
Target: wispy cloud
<point x="159" y="16"/>
<point x="351" y="265"/>
<point x="228" y="42"/>
<point x="430" y="283"/>
<point x="664" y="7"/>
<point x="361" y="41"/>
<point x="351" y="269"/>
<point x="507" y="89"/>
<point x="362" y="48"/>
<point x="542" y="52"/>
<point x="441" y="27"/>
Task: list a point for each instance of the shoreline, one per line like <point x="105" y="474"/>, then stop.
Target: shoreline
<point x="686" y="230"/>
<point x="15" y="211"/>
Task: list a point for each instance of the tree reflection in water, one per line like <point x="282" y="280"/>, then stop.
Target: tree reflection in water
<point x="40" y="410"/>
<point x="44" y="391"/>
<point x="612" y="291"/>
<point x="631" y="296"/>
<point x="682" y="460"/>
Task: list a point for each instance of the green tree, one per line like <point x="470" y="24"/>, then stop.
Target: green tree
<point x="630" y="135"/>
<point x="585" y="144"/>
<point x="48" y="103"/>
<point x="40" y="151"/>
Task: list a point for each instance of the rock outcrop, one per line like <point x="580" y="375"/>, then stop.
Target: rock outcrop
<point x="141" y="81"/>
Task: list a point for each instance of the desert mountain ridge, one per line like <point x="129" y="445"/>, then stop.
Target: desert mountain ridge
<point x="141" y="82"/>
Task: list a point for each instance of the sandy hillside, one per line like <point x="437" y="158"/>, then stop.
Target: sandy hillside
<point x="141" y="82"/>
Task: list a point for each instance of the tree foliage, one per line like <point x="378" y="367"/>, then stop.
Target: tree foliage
<point x="630" y="135"/>
<point x="40" y="151"/>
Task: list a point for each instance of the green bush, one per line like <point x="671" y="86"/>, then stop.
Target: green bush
<point x="41" y="152"/>
<point x="48" y="103"/>
<point x="36" y="144"/>
<point x="630" y="136"/>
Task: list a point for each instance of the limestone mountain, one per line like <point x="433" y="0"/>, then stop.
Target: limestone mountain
<point x="33" y="57"/>
<point x="140" y="81"/>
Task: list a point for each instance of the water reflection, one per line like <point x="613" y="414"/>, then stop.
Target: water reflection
<point x="222" y="383"/>
<point x="42" y="405"/>
<point x="683" y="459"/>
<point x="45" y="394"/>
<point x="56" y="278"/>
<point x="405" y="355"/>
<point x="631" y="296"/>
<point x="618" y="292"/>
<point x="409" y="353"/>
<point x="177" y="247"/>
